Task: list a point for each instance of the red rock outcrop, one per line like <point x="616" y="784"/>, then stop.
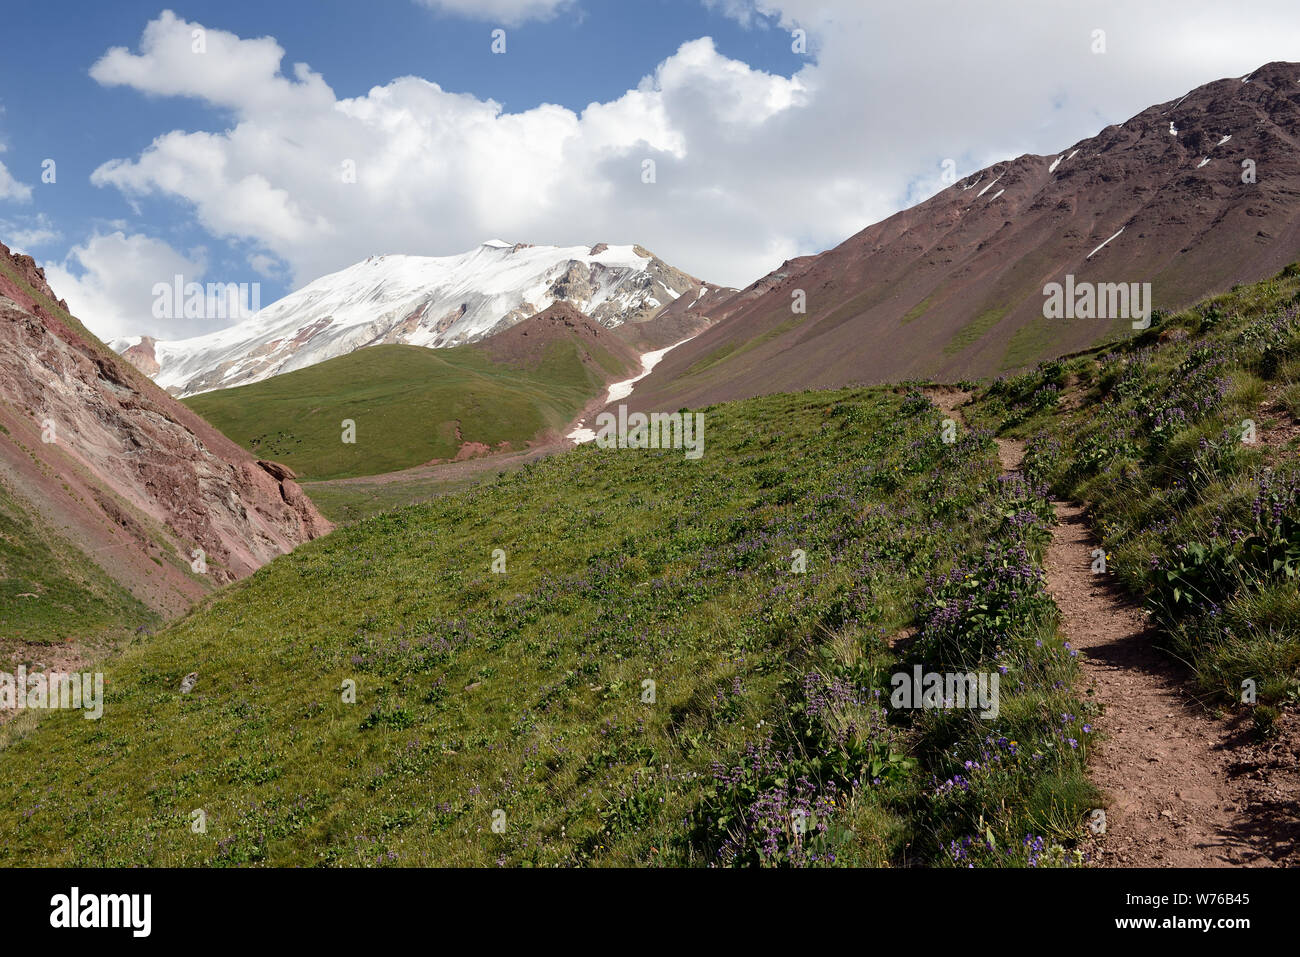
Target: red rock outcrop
<point x="116" y="465"/>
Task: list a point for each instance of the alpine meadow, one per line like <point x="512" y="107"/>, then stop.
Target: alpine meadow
<point x="927" y="501"/>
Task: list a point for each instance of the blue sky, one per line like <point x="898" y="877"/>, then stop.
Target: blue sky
<point x="226" y="167"/>
<point x="54" y="109"/>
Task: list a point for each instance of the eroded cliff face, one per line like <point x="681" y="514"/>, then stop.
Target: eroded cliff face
<point x="111" y="462"/>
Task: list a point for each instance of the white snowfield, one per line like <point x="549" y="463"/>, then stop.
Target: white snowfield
<point x="418" y="300"/>
<point x="621" y="390"/>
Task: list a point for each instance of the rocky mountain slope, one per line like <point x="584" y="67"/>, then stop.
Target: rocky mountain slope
<point x="526" y="343"/>
<point x="416" y="300"/>
<point x="685" y="317"/>
<point x="95" y="454"/>
<point x="1192" y="195"/>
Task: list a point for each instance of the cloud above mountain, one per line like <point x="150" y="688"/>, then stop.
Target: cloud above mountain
<point x="111" y="277"/>
<point x="322" y="181"/>
<point x="749" y="167"/>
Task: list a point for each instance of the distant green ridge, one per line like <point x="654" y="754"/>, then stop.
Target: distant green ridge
<point x="406" y="403"/>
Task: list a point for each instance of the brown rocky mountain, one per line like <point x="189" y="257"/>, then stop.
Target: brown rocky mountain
<point x="1192" y="196"/>
<point x="526" y="342"/>
<point x="93" y="452"/>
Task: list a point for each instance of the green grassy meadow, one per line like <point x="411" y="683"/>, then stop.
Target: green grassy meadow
<point x="522" y="698"/>
<point x="690" y="663"/>
<point x="406" y="403"/>
<point x="346" y="502"/>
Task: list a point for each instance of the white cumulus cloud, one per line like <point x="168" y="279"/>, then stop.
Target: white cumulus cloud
<point x="24" y="233"/>
<point x="750" y="167"/>
<point x="321" y="182"/>
<point x="109" y="281"/>
<point x="10" y="188"/>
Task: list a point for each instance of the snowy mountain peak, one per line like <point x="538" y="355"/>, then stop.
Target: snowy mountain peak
<point x="416" y="300"/>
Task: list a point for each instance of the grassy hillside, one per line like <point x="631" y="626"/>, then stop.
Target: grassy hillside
<point x="407" y="403"/>
<point x="350" y="500"/>
<point x="524" y="693"/>
<point x="49" y="590"/>
<point x="1184" y="442"/>
<point x="520" y="699"/>
<point x="344" y="502"/>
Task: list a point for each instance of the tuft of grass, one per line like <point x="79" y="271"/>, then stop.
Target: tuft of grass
<point x="50" y="591"/>
<point x="917" y="311"/>
<point x="1027" y="343"/>
<point x="973" y="331"/>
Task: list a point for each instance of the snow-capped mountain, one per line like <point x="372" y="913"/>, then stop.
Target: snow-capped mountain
<point x="415" y="300"/>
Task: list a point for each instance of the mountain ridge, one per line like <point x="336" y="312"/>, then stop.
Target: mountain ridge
<point x="951" y="288"/>
<point x="413" y="300"/>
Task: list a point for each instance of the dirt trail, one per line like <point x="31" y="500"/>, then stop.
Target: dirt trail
<point x="1174" y="776"/>
<point x="1164" y="761"/>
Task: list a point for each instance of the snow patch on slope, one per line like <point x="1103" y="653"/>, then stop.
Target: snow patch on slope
<point x="1099" y="248"/>
<point x="621" y="390"/>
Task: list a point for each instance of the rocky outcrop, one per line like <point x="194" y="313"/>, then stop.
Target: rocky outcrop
<point x="142" y="356"/>
<point x="165" y="503"/>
